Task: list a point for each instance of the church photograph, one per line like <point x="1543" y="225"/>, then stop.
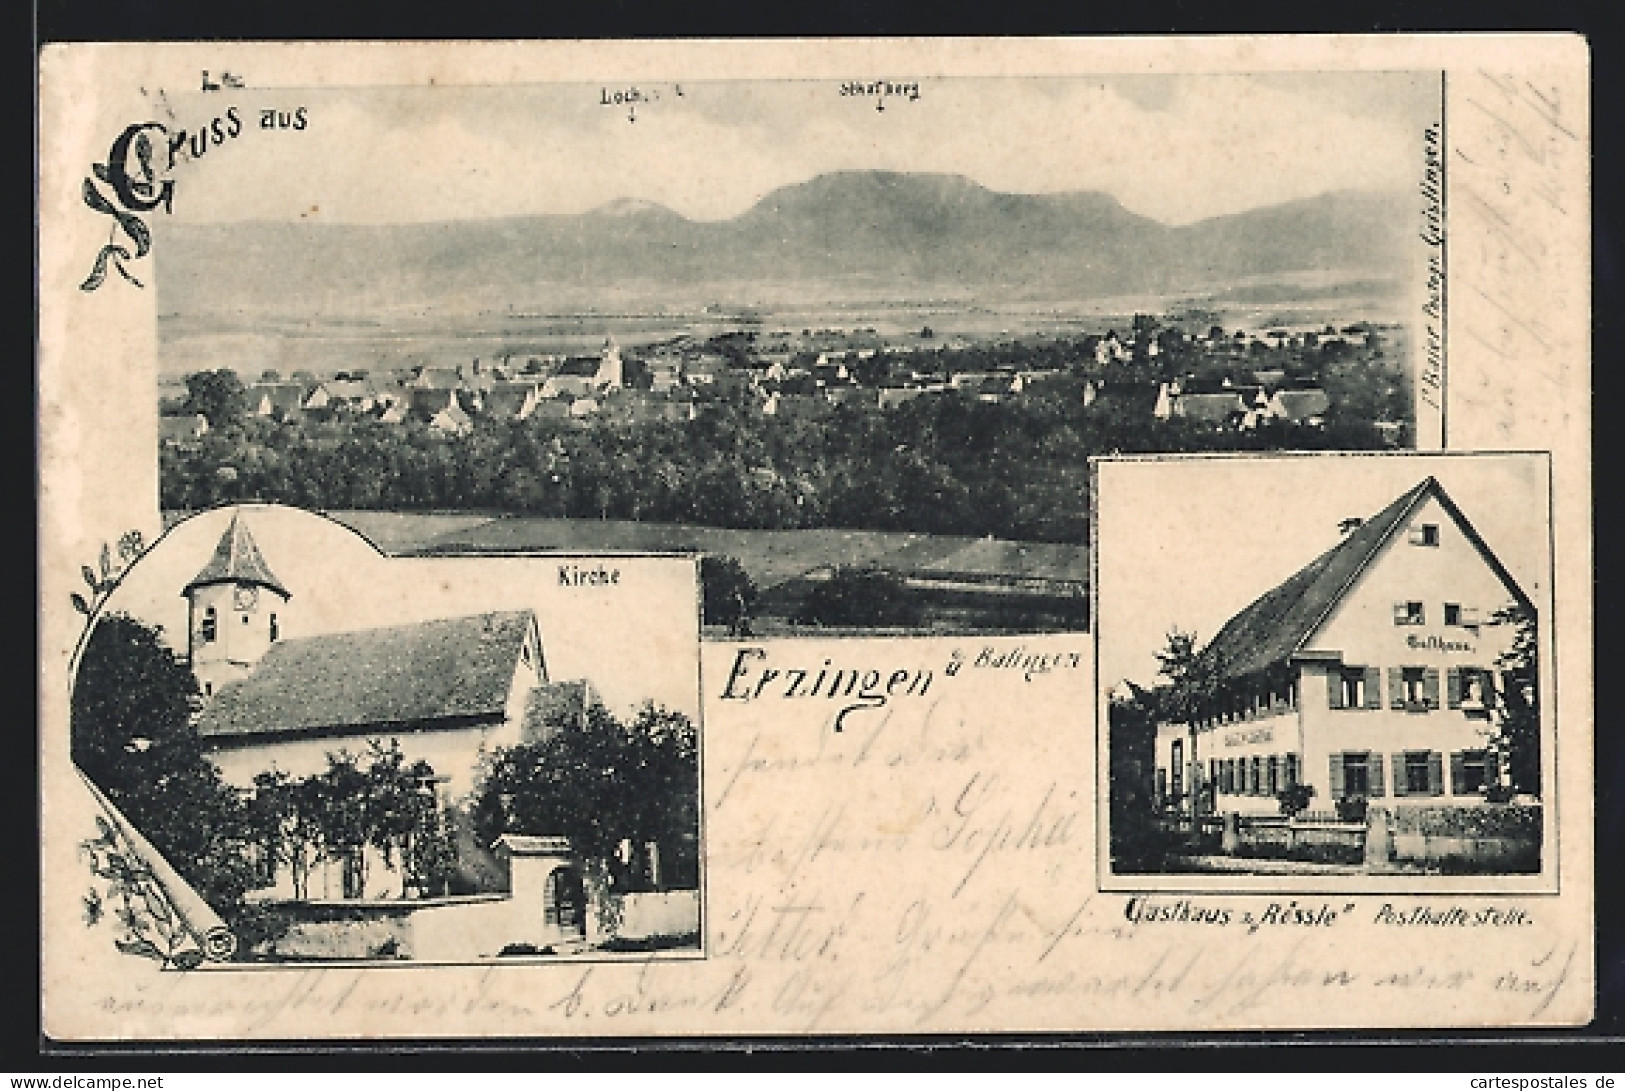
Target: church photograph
<point x="1326" y="666"/>
<point x="356" y="756"/>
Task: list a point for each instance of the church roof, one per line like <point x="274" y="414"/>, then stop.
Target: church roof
<point x="237" y="560"/>
<point x="1280" y="621"/>
<point x="446" y="672"/>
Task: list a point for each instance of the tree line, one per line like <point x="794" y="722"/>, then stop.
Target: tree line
<point x="942" y="464"/>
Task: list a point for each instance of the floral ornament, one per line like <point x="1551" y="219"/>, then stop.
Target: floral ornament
<point x="151" y="928"/>
<point x="138" y="183"/>
<point x="105" y="576"/>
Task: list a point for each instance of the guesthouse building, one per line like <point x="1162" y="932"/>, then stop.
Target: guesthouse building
<point x="1374" y="671"/>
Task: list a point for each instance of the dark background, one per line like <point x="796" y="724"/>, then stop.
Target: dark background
<point x="1588" y="1051"/>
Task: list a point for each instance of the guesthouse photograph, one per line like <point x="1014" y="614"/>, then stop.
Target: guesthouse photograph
<point x="1326" y="666"/>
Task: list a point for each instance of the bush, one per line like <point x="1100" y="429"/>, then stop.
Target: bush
<point x="1518" y="823"/>
<point x="728" y="593"/>
<point x="855" y="595"/>
<point x="1295" y="800"/>
<point x="1352" y="808"/>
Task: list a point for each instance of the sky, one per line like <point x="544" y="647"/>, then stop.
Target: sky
<point x="637" y="642"/>
<point x="1189" y="542"/>
<point x="1174" y="148"/>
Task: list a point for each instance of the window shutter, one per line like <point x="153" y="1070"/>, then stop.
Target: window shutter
<point x="1430" y="687"/>
<point x="1401" y="614"/>
<point x="1396" y="687"/>
<point x="1401" y="784"/>
<point x="1336" y="777"/>
<point x="1373" y="687"/>
<point x="1374" y="763"/>
<point x="1458" y="773"/>
<point x="1334" y="689"/>
<point x="1453" y="686"/>
<point x="1435" y="773"/>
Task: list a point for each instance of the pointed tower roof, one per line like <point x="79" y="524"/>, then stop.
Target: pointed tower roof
<point x="237" y="560"/>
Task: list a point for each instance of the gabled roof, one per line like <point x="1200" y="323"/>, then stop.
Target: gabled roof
<point x="1209" y="407"/>
<point x="581" y="367"/>
<point x="237" y="560"/>
<point x="287" y="397"/>
<point x="1299" y="404"/>
<point x="1282" y="620"/>
<point x="508" y="399"/>
<point x="438" y="378"/>
<point x="349" y="389"/>
<point x="428" y="401"/>
<point x="443" y="673"/>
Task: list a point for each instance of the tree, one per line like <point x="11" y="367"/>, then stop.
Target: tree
<point x="728" y="593"/>
<point x="131" y="733"/>
<point x="855" y="595"/>
<point x="219" y="395"/>
<point x="1192" y="677"/>
<point x="370" y="800"/>
<point x="600" y="782"/>
<point x="1517" y="705"/>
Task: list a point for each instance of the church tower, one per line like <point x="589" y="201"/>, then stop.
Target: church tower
<point x="610" y="369"/>
<point x="235" y="610"/>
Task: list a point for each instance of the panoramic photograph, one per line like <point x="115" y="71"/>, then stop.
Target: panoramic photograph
<point x="305" y="751"/>
<point x="1339" y="677"/>
<point x="852" y="342"/>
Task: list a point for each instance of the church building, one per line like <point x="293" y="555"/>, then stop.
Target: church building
<point x="449" y="690"/>
<point x="1373" y="671"/>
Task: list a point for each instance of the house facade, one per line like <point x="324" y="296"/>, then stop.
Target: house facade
<point x="1372" y="672"/>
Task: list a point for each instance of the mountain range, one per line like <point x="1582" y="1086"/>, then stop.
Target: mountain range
<point x="874" y="234"/>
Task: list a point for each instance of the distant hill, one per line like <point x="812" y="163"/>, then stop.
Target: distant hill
<point x="895" y="236"/>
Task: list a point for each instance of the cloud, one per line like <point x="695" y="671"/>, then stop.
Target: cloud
<point x="1175" y="149"/>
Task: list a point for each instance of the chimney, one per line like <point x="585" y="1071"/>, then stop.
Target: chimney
<point x="1345" y="527"/>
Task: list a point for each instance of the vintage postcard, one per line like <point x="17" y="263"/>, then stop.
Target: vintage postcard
<point x="880" y="537"/>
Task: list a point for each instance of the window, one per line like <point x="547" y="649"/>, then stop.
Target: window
<point x="1176" y="763"/>
<point x="1417" y="766"/>
<point x="1255" y="775"/>
<point x="1227" y="783"/>
<point x="1413" y="689"/>
<point x="1291" y="773"/>
<point x="1452" y="613"/>
<point x="1425" y="534"/>
<point x="1468" y="772"/>
<point x="1414" y="681"/>
<point x="1356" y="774"/>
<point x="1409" y="613"/>
<point x="276" y="630"/>
<point x="1470" y="689"/>
<point x="1272" y="776"/>
<point x="1352" y="682"/>
<point x="211" y="625"/>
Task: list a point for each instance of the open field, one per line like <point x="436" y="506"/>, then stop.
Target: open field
<point x="961" y="584"/>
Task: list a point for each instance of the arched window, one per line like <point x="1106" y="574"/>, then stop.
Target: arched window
<point x="211" y="625"/>
<point x="276" y="630"/>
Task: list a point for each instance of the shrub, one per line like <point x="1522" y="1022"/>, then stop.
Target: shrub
<point x="1295" y="800"/>
<point x="728" y="592"/>
<point x="854" y="595"/>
